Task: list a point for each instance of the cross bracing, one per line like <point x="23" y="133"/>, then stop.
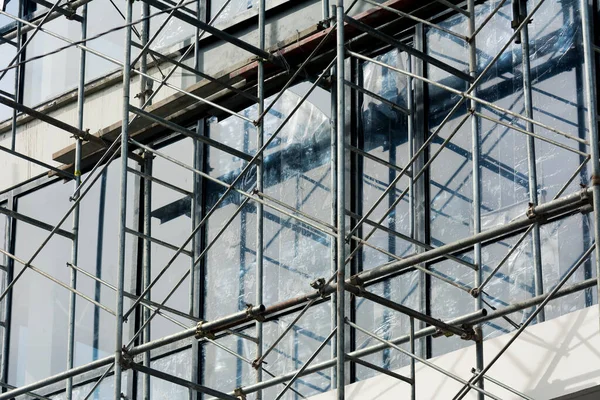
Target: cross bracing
<point x="393" y="189"/>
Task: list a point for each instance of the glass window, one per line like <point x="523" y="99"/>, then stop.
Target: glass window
<point x="383" y="133"/>
<point x="231" y="10"/>
<point x="179" y="365"/>
<point x="172" y="224"/>
<point x="38" y="345"/>
<point x="556" y="58"/>
<point x="98" y="244"/>
<point x="105" y="16"/>
<point x="54" y="74"/>
<point x="7" y="84"/>
<point x="173" y="32"/>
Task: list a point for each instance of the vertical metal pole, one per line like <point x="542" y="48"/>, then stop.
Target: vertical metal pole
<point x="196" y="274"/>
<point x="531" y="160"/>
<point x="9" y="239"/>
<point x="259" y="187"/>
<point x="145" y="85"/>
<point x="9" y="262"/>
<point x="325" y="7"/>
<point x="475" y="152"/>
<point x="333" y="184"/>
<point x="420" y="185"/>
<point x="413" y="374"/>
<point x="18" y="72"/>
<point x="590" y="94"/>
<point x="147" y="268"/>
<point x="123" y="200"/>
<point x="411" y="149"/>
<point x="75" y="227"/>
<point x="341" y="204"/>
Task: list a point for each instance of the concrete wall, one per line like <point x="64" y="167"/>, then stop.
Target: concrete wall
<point x="559" y="358"/>
<point x="102" y="108"/>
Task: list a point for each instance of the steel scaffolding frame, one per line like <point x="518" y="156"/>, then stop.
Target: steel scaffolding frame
<point x="326" y="65"/>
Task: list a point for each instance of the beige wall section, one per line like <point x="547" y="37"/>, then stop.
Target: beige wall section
<point x="550" y="360"/>
<point x="40" y="140"/>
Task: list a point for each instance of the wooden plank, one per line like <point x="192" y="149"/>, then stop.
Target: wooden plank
<point x="183" y="109"/>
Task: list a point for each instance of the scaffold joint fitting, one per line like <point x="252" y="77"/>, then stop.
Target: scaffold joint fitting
<point x="255" y="313"/>
<point x="201" y="333"/>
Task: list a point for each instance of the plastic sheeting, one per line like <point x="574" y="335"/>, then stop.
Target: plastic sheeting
<point x="556" y="63"/>
<point x="297" y="172"/>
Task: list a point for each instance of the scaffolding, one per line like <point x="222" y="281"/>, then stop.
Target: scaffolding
<point x="322" y="55"/>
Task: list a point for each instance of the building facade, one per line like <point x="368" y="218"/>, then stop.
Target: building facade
<point x="239" y="199"/>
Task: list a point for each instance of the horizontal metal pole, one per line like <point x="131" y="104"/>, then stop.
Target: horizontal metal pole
<point x="407" y="49"/>
<point x="423" y="361"/>
<point x="534" y="135"/>
<point x="564" y="204"/>
<point x="201" y="74"/>
<point x="188" y="333"/>
<point x="36" y="223"/>
<point x="417" y="19"/>
<point x="157" y="241"/>
<point x="453" y="7"/>
<point x="52" y="121"/>
<point x="467" y="95"/>
<point x="361" y="89"/>
<point x="474" y="371"/>
<point x="57" y="281"/>
<point x="358" y="354"/>
<point x="25" y="157"/>
<point x="181" y="382"/>
<point x="189" y="133"/>
<point x="133" y="296"/>
<point x="411" y="240"/>
<point x="66" y="11"/>
<point x="442" y="326"/>
<point x="374" y="367"/>
<point x="37" y="396"/>
<point x="57" y="378"/>
<point x="159" y="181"/>
<point x="73" y="5"/>
<point x="212" y="30"/>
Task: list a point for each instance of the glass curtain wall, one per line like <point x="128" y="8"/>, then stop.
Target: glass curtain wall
<point x="297" y="172"/>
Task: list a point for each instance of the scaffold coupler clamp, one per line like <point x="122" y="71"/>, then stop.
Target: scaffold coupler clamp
<point x="439" y="332"/>
<point x="201" y="333"/>
<point x="238" y="392"/>
<point x="531" y="211"/>
<point x="475" y="292"/>
<point x="319" y="286"/>
<point x="358" y="284"/>
<point x="255" y="313"/>
<point x="470" y="333"/>
<point x="126" y="359"/>
<point x="586" y="200"/>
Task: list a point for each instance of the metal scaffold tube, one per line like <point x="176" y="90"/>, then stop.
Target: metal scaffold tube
<point x="260" y="131"/>
<point x="118" y="356"/>
<point x="531" y="158"/>
<point x="476" y="178"/>
<point x="590" y="96"/>
<point x="341" y="205"/>
<point x="245" y="179"/>
<point x="76" y="211"/>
